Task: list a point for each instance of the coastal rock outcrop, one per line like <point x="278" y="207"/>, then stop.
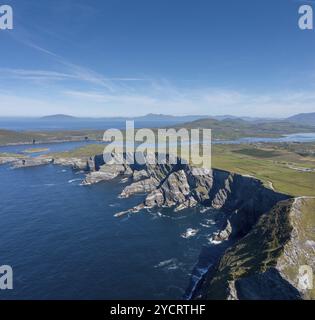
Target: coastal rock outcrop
<point x="268" y="235"/>
<point x="179" y="185"/>
<point x="267" y="231"/>
<point x="4" y="159"/>
<point x="76" y="163"/>
<point x="266" y="263"/>
<point x="143" y="186"/>
<point x="31" y="162"/>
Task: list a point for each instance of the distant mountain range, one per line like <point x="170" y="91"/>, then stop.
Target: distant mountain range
<point x="301" y="119"/>
<point x="238" y="128"/>
<point x="59" y="117"/>
<point x="148" y="117"/>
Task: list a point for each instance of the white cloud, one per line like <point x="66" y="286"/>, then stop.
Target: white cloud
<point x="207" y="102"/>
<point x="110" y="96"/>
<point x="201" y="101"/>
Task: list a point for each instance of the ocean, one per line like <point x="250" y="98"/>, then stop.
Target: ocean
<point x="62" y="240"/>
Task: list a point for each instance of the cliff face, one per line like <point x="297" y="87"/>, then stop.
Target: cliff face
<point x="270" y="235"/>
<point x="242" y="199"/>
<point x="300" y="249"/>
<point x="265" y="263"/>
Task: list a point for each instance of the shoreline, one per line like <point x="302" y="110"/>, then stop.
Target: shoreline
<point x="218" y="189"/>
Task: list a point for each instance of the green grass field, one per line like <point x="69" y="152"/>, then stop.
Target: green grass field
<point x="34" y="150"/>
<point x="13" y="155"/>
<point x="274" y="170"/>
<point x="28" y="137"/>
<point x="86" y="152"/>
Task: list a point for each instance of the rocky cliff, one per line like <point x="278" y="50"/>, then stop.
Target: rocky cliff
<point x="266" y="263"/>
<point x="242" y="199"/>
<point x="269" y="235"/>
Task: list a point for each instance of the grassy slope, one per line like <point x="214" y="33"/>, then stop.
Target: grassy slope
<point x="9" y="137"/>
<point x="254" y="253"/>
<point x="86" y="151"/>
<point x="34" y="150"/>
<point x="233" y="129"/>
<point x="303" y="221"/>
<point x="225" y="129"/>
<point x="270" y="166"/>
<point x="271" y="243"/>
<point x="13" y="155"/>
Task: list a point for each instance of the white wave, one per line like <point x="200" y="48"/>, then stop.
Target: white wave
<point x="212" y="241"/>
<point x="127" y="217"/>
<point x="169" y="265"/>
<point x="196" y="279"/>
<point x="73" y="180"/>
<point x="164" y="263"/>
<point x="173" y="267"/>
<point x="205" y="225"/>
<point x="202" y="271"/>
<point x="189" y="233"/>
<point x="161" y="214"/>
<point x="208" y="223"/>
<point x="114" y="204"/>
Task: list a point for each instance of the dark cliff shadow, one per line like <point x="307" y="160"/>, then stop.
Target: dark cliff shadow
<point x="207" y="260"/>
<point x="269" y="285"/>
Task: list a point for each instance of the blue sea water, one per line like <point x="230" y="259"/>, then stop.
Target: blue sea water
<point x="35" y="124"/>
<point x="63" y="242"/>
<point x="50" y="147"/>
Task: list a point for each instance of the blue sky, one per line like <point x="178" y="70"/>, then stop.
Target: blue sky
<point x="132" y="57"/>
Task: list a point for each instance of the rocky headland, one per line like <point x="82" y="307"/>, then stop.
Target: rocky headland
<point x="270" y="235"/>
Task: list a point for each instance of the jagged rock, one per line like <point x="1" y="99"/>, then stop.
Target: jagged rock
<point x="75" y="163"/>
<point x="175" y="188"/>
<point x="107" y="172"/>
<point x="31" y="162"/>
<point x="7" y="159"/>
<point x="143" y="186"/>
<point x="96" y="177"/>
<point x="174" y="191"/>
<point x="232" y="292"/>
<point x="189" y="203"/>
<point x="139" y="175"/>
<point x="225" y="233"/>
<point x="155" y="199"/>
